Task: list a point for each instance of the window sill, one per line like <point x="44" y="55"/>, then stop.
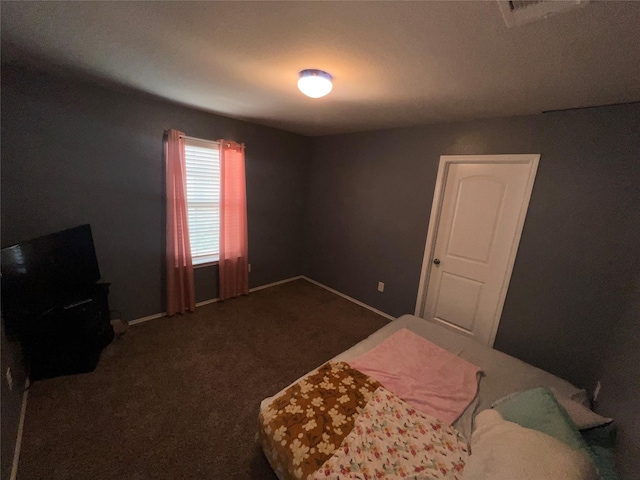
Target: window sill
<point x="207" y="264"/>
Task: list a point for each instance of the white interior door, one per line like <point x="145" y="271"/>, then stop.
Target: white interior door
<point x="476" y="221"/>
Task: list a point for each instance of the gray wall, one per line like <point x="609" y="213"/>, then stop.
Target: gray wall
<point x="370" y="198"/>
<point x="74" y="152"/>
<point x="620" y="378"/>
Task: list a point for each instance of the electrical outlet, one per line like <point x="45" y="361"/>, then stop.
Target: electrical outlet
<point x="249" y="267"/>
<point x="596" y="392"/>
<point x="380" y="287"/>
<point x="9" y="378"/>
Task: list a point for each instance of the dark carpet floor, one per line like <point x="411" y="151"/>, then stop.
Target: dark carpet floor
<point x="178" y="397"/>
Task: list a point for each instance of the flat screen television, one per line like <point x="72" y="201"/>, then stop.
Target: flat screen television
<point x="40" y="272"/>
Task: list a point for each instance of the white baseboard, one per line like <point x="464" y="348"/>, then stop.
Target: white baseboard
<point x="357" y="302"/>
<point x="147" y="318"/>
<point x="16" y="452"/>
<point x="287" y="280"/>
<point x="268" y="285"/>
<point x="213" y="300"/>
<point x="164" y="314"/>
<point x="207" y="302"/>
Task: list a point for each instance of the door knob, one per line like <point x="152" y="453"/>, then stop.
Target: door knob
<point x="436" y="261"/>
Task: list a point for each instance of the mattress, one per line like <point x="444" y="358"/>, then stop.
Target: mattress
<point x="501" y="373"/>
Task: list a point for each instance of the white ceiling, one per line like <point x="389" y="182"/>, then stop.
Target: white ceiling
<point x="394" y="63"/>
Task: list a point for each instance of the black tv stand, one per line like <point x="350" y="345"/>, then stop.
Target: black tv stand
<point x="68" y="337"/>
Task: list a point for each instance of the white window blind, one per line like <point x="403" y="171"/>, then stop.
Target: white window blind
<point x="202" y="160"/>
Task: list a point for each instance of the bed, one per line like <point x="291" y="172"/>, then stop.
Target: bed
<point x="298" y="436"/>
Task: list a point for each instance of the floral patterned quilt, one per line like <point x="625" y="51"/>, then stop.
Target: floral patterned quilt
<point x="340" y="424"/>
<point x="392" y="440"/>
<point x="301" y="428"/>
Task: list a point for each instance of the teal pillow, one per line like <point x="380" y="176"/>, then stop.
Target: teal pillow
<point x="602" y="440"/>
<point x="539" y="410"/>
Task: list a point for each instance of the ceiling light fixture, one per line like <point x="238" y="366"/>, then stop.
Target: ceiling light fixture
<point x="315" y="83"/>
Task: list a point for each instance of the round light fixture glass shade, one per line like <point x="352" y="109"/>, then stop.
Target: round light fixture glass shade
<point x="315" y="83"/>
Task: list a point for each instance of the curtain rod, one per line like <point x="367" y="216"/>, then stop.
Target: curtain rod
<point x="229" y="142"/>
<point x="199" y="139"/>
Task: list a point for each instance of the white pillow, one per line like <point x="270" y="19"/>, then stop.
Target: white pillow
<point x="502" y="450"/>
<point x="582" y="416"/>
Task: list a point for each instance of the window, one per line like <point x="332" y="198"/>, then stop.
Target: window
<point x="202" y="159"/>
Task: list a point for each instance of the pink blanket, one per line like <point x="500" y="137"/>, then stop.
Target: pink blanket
<point x="424" y="375"/>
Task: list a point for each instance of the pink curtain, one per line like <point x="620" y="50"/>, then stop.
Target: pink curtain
<point x="234" y="265"/>
<point x="180" y="285"/>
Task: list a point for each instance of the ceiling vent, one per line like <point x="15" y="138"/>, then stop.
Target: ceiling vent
<point x="519" y="12"/>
